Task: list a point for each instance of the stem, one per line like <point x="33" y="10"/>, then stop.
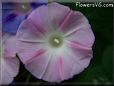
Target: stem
<point x="28" y="78"/>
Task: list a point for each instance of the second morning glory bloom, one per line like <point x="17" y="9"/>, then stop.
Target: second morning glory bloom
<point x="9" y="65"/>
<point x="14" y="13"/>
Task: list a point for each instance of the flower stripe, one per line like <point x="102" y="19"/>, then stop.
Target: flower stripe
<point x="35" y="55"/>
<point x="61" y="68"/>
<point x="39" y="28"/>
<point x="78" y="45"/>
<point x="65" y="20"/>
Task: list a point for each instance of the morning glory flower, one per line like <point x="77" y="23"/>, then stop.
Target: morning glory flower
<point x="14" y="13"/>
<point x="55" y="42"/>
<point x="9" y="64"/>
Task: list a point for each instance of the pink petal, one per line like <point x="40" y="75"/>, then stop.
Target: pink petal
<point x="49" y="17"/>
<point x="72" y="22"/>
<point x="84" y="36"/>
<point x="9" y="45"/>
<point x="28" y="32"/>
<point x="47" y="71"/>
<point x="52" y="72"/>
<point x="9" y="69"/>
<point x="57" y="14"/>
<point x="5" y="78"/>
<point x="9" y="65"/>
<point x="57" y="67"/>
<point x="26" y="51"/>
<point x="73" y="63"/>
<point x="41" y="62"/>
<point x="40" y="19"/>
<point x="77" y="45"/>
<point x="81" y="54"/>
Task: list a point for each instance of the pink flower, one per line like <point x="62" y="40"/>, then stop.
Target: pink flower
<point x="55" y="43"/>
<point x="9" y="65"/>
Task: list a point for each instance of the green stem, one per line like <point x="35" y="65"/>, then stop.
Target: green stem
<point x="28" y="78"/>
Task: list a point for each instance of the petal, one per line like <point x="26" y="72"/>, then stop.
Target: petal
<point x="9" y="44"/>
<point x="66" y="64"/>
<point x="40" y="18"/>
<point x="62" y="67"/>
<point x="46" y="67"/>
<point x="7" y="15"/>
<point x="49" y="16"/>
<point x="37" y="3"/>
<point x="28" y="32"/>
<point x="41" y="62"/>
<point x="12" y="25"/>
<point x="9" y="69"/>
<point x="52" y="71"/>
<point x="73" y="21"/>
<point x="57" y="66"/>
<point x="9" y="65"/>
<point x="5" y="78"/>
<point x="82" y="57"/>
<point x="6" y="6"/>
<point x="27" y="51"/>
<point x="57" y="14"/>
<point x="40" y="1"/>
<point x="84" y="36"/>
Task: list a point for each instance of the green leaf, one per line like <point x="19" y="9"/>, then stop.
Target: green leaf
<point x="107" y="62"/>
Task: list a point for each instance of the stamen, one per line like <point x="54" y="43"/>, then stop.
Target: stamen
<point x="23" y="7"/>
<point x="55" y="40"/>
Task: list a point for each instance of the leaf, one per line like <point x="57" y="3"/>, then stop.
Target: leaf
<point x="107" y="62"/>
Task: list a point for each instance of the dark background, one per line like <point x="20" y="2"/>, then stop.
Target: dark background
<point x="100" y="70"/>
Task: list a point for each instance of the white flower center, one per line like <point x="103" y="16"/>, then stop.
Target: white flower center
<point x="55" y="40"/>
<point x="23" y="7"/>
